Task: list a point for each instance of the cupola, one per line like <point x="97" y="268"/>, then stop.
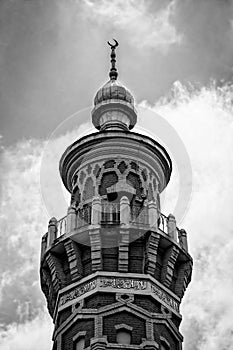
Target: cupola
<point x="113" y="103"/>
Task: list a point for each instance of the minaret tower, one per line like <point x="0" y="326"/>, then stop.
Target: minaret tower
<point x="114" y="269"/>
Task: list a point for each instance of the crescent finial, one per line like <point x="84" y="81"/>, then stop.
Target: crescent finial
<point x="113" y="46"/>
<point x="113" y="71"/>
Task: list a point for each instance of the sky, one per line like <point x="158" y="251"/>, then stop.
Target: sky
<point x="176" y="58"/>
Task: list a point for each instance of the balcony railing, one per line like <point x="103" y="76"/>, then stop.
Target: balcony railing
<point x="113" y="214"/>
<point x="163" y="225"/>
<point x="110" y="213"/>
<point x="83" y="216"/>
<point x="61" y="226"/>
<point x="139" y="215"/>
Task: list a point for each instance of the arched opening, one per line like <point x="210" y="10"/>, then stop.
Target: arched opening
<point x="79" y="344"/>
<point x="123" y="337"/>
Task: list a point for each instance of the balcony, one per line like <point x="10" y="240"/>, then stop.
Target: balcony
<point x="107" y="213"/>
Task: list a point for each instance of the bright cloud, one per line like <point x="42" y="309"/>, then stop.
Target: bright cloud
<point x="144" y="28"/>
<point x="203" y="120"/>
<point x="34" y="335"/>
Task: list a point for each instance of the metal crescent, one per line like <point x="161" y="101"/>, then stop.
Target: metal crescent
<point x="113" y="46"/>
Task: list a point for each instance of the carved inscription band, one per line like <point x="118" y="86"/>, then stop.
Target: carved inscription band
<point x="129" y="284"/>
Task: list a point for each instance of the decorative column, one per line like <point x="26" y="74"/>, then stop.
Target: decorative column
<point x="182" y="236"/>
<point x="94" y="234"/>
<point x="52" y="231"/>
<point x="43" y="245"/>
<point x="171" y="227"/>
<point x="153" y="215"/>
<point x="124" y="210"/>
<point x="96" y="211"/>
<point x="71" y="219"/>
<point x="123" y="259"/>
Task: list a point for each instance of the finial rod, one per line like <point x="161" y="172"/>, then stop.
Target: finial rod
<point x="113" y="71"/>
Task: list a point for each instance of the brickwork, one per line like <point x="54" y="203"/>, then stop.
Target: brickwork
<point x="63" y="315"/>
<point x="57" y="272"/>
<point x="86" y="260"/>
<point x="136" y="256"/>
<point x="184" y="277"/>
<point x="110" y="259"/>
<point x="123" y="260"/>
<point x="138" y="325"/>
<point x="169" y="261"/>
<point x="147" y="303"/>
<point x="74" y="258"/>
<point x="78" y="326"/>
<point x="99" y="300"/>
<point x="151" y="252"/>
<point x="96" y="257"/>
<point x="162" y="331"/>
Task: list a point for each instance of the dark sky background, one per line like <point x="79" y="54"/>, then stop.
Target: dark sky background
<point x="54" y="56"/>
<point x="176" y="58"/>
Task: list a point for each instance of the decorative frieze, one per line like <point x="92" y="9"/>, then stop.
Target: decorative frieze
<point x="119" y="284"/>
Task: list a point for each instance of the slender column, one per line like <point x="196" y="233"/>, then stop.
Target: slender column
<point x="96" y="211"/>
<point x="182" y="235"/>
<point x="171" y="226"/>
<point x="43" y="246"/>
<point x="71" y="219"/>
<point x="52" y="231"/>
<point x="124" y="210"/>
<point x="153" y="215"/>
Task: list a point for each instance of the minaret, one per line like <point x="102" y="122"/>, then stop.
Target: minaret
<point x="114" y="269"/>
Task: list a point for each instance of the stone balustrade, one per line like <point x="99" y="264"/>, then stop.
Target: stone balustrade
<point x="101" y="213"/>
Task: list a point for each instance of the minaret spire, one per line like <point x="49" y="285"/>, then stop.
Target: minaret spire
<point x="113" y="71"/>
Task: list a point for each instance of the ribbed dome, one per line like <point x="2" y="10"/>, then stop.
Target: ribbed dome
<point x="113" y="90"/>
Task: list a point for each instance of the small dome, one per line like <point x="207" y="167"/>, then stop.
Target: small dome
<point x="114" y="107"/>
<point x="113" y="103"/>
<point x="113" y="90"/>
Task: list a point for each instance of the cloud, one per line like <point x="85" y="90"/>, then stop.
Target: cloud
<point x="22" y="222"/>
<point x="144" y="28"/>
<point x="203" y="119"/>
<point x="24" y="219"/>
<point x="33" y="335"/>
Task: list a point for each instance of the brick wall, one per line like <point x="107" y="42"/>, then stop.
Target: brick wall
<point x="78" y="326"/>
<point x="110" y="258"/>
<point x="162" y="330"/>
<point x="136" y="256"/>
<point x="139" y="327"/>
<point x="86" y="259"/>
<point x="99" y="300"/>
<point x="63" y="315"/>
<point x="147" y="303"/>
